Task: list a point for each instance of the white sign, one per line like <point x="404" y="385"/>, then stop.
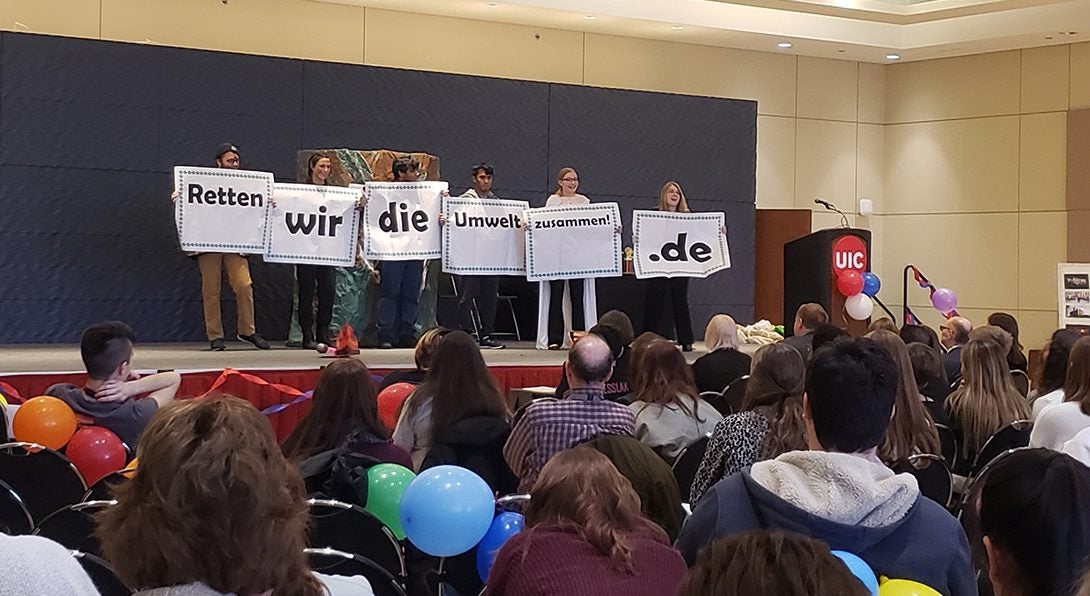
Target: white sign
<point x="484" y="236"/>
<point x="313" y="225"/>
<point x="401" y="220"/>
<point x="573" y="242"/>
<point x="678" y="244"/>
<point x="221" y="210"/>
<point x="1074" y="282"/>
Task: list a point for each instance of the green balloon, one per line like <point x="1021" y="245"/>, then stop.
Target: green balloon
<point x="386" y="484"/>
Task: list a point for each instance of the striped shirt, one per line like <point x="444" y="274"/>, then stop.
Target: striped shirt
<point x="549" y="426"/>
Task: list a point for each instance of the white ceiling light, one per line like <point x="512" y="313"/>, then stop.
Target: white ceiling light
<point x="677" y="28"/>
<point x="491" y="5"/>
<point x="893" y="56"/>
<point x="785" y="45"/>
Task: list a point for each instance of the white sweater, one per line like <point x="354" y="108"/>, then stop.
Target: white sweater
<point x="1058" y="424"/>
<point x="36" y="566"/>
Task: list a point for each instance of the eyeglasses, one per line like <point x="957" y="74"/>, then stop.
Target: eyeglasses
<point x="569" y="180"/>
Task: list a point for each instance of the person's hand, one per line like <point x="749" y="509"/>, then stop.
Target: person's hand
<point x="174" y="196"/>
<point x="445" y="193"/>
<point x="362" y="202"/>
<point x="442" y="219"/>
<point x="112" y="391"/>
<point x="620" y="228"/>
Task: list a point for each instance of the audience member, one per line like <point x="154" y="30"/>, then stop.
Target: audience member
<point x="344" y="413"/>
<point x="770" y="562"/>
<point x="1078" y="446"/>
<point x="1036" y="524"/>
<point x="823" y="335"/>
<point x="37" y="566"/>
<point x="986" y="400"/>
<point x="808" y="317"/>
<point x="459" y="400"/>
<point x="584" y="532"/>
<point x="215" y="508"/>
<point x="548" y="426"/>
<point x="769" y="424"/>
<point x="912" y="428"/>
<point x="109" y="396"/>
<point x="883" y="324"/>
<point x="954" y="335"/>
<point x="616" y="328"/>
<point x="921" y="334"/>
<point x="1016" y="359"/>
<point x="1053" y="375"/>
<point x="1060" y="423"/>
<point x="930" y="378"/>
<point x="723" y="364"/>
<point x="839" y="491"/>
<point x="651" y="478"/>
<point x="669" y="413"/>
<point x="422" y="357"/>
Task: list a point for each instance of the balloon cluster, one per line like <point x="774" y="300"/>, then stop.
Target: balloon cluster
<point x="95" y="451"/>
<point x="858" y="288"/>
<point x="883" y="586"/>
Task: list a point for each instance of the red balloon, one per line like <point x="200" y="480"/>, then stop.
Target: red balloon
<point x="390" y="400"/>
<point x="849" y="282"/>
<point x="96" y="452"/>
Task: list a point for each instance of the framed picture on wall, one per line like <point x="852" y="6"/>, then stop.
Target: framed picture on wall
<point x="1074" y="294"/>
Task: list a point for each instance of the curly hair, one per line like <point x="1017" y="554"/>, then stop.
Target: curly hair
<point x="214" y="502"/>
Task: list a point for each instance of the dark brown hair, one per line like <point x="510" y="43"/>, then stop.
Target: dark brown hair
<point x="812" y="315"/>
<point x="344" y="402"/>
<point x="663" y="376"/>
<point x="214" y="501"/>
<point x="312" y="162"/>
<point x="926" y="364"/>
<point x="1077" y="385"/>
<point x="770" y="562"/>
<point x="911" y="430"/>
<point x="1054" y="371"/>
<point x="774" y="390"/>
<point x="921" y="334"/>
<point x="581" y="491"/>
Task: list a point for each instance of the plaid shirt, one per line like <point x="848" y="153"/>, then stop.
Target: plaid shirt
<point x="549" y="426"/>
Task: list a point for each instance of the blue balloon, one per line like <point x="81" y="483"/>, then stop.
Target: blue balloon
<point x="871" y="284"/>
<point x="506" y="525"/>
<point x="446" y="510"/>
<point x="860" y="569"/>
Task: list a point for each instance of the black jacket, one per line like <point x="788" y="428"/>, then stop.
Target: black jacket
<point x="475" y="443"/>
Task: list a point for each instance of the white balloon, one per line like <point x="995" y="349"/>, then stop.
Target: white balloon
<point x="859" y="307"/>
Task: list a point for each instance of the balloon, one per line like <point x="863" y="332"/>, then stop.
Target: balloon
<point x="96" y="452"/>
<point x="944" y="300"/>
<point x="130" y="470"/>
<point x="871" y="284"/>
<point x="386" y="484"/>
<point x="390" y="400"/>
<point x="860" y="569"/>
<point x="849" y="282"/>
<point x="859" y="307"/>
<point x="46" y="421"/>
<point x="506" y="525"/>
<point x="447" y="510"/>
<point x="904" y="587"/>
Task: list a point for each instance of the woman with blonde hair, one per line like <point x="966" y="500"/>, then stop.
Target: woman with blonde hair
<point x="1060" y="423"/>
<point x="723" y="363"/>
<point x="585" y="531"/>
<point x="671" y="199"/>
<point x="912" y="429"/>
<point x="986" y="400"/>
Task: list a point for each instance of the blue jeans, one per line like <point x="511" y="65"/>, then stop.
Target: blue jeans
<point x="399" y="294"/>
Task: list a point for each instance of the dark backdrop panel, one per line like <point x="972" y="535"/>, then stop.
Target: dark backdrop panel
<point x="89" y="132"/>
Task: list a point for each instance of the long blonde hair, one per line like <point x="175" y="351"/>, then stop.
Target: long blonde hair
<point x="911" y="430"/>
<point x="987" y="399"/>
<point x="682" y="205"/>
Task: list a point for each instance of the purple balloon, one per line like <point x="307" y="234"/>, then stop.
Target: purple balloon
<point x="944" y="300"/>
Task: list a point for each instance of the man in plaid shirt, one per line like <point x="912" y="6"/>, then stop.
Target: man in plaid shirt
<point x="549" y="426"/>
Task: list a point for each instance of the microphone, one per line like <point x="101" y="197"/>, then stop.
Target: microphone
<point x="831" y="207"/>
<point x="826" y="204"/>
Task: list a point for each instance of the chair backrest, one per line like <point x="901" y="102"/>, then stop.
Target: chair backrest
<point x="102" y="575"/>
<point x="45" y="479"/>
<point x="1021" y="382"/>
<point x="14" y="517"/>
<point x="948" y="443"/>
<point x="334" y="562"/>
<point x="715" y="399"/>
<point x="735" y="394"/>
<point x="687" y="463"/>
<point x="1012" y="436"/>
<point x="349" y="528"/>
<point x="73" y="526"/>
<point x="103" y="489"/>
<point x="933" y="475"/>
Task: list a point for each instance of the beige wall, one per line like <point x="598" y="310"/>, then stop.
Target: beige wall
<point x="964" y="157"/>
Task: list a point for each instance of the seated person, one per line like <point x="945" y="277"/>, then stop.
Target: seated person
<point x="723" y="363"/>
<point x="422" y="356"/>
<point x="839" y="491"/>
<point x="108" y="397"/>
<point x="616" y="328"/>
<point x="38" y="566"/>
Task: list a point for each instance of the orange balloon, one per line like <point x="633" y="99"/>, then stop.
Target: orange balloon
<point x="130" y="470"/>
<point x="46" y="421"/>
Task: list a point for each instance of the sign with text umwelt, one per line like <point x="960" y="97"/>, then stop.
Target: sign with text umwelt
<point x="484" y="236"/>
<point x="221" y="210"/>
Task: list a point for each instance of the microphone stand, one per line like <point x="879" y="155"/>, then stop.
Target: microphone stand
<point x="831" y="207"/>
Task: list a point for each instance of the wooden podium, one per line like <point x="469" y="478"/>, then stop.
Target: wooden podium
<point x="809" y="266"/>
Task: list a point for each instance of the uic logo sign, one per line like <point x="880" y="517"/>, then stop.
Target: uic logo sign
<point x="677" y="251"/>
<point x="849" y="252"/>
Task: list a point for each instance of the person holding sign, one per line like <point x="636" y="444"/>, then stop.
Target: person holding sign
<point x="309" y="276"/>
<point x="671" y="198"/>
<point x="482" y="288"/>
<point x="565" y="196"/>
<point x="399" y="282"/>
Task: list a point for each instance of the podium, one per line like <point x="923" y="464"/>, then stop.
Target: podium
<point x="810" y="264"/>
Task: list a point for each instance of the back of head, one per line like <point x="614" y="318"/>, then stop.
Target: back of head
<point x="920" y="334"/>
<point x="926" y="364"/>
<point x="851" y="387"/>
<point x="812" y="315"/>
<point x="403" y="165"/>
<point x="987" y="398"/>
<point x="775" y="390"/>
<point x="344" y="401"/>
<point x="1007" y="323"/>
<point x="770" y="562"/>
<point x="824" y="334"/>
<point x="1077" y="385"/>
<point x="621" y="323"/>
<point x="425" y="347"/>
<point x="214" y="501"/>
<point x="911" y="430"/>
<point x="1057" y="353"/>
<point x="104" y="347"/>
<point x="580" y="490"/>
<point x="883" y="324"/>
<point x="722" y="332"/>
<point x="590" y="360"/>
<point x="662" y="375"/>
<point x="1034" y="509"/>
<point x="993" y="333"/>
<point x="611" y="336"/>
<point x="962" y="327"/>
<point x="459" y="384"/>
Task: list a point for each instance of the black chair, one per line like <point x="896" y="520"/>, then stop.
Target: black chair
<point x="74" y="526"/>
<point x="1012" y="436"/>
<point x="14" y="517"/>
<point x="102" y="575"/>
<point x="1021" y="382"/>
<point x="949" y="443"/>
<point x="687" y="464"/>
<point x="45" y="479"/>
<point x="735" y="394"/>
<point x="715" y="399"/>
<point x="103" y="490"/>
<point x="933" y="475"/>
<point x="351" y="529"/>
<point x="334" y="562"/>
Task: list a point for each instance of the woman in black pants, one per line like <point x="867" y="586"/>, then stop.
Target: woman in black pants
<point x="671" y="198"/>
<point x="309" y="276"/>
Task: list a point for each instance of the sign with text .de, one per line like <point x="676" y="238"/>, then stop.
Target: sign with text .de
<point x="678" y="244"/>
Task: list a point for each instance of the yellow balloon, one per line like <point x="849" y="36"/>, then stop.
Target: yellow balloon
<point x="904" y="587"/>
<point x="3" y="400"/>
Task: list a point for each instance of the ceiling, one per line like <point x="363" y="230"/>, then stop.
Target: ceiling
<point x="863" y="30"/>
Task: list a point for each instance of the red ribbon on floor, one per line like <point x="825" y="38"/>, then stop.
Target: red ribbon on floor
<point x="298" y="396"/>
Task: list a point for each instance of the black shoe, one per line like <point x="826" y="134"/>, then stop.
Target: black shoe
<point x="554" y="346"/>
<point x="687" y="348"/>
<point x="487" y="343"/>
<point x="218" y="345"/>
<point x="258" y="341"/>
<point x="385" y="345"/>
<point x="309" y="343"/>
